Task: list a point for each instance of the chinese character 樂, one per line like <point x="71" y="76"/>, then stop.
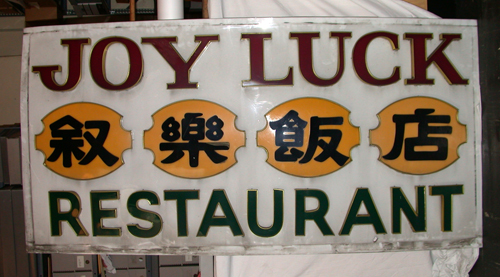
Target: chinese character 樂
<point x="193" y="127"/>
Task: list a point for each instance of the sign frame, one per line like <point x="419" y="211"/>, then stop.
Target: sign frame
<point x="251" y="244"/>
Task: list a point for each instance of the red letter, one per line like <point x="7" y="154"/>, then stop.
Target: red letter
<point x="306" y="57"/>
<point x="359" y="59"/>
<point x="98" y="58"/>
<point x="421" y="62"/>
<point x="74" y="66"/>
<point x="257" y="63"/>
<point x="175" y="60"/>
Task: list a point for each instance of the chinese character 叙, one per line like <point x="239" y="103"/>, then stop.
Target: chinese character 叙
<point x="423" y="118"/>
<point x="193" y="130"/>
<point x="69" y="130"/>
<point x="290" y="133"/>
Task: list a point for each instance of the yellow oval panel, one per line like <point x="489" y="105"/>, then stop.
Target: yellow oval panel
<point x="308" y="137"/>
<point x="83" y="141"/>
<point x="418" y="135"/>
<point x="194" y="139"/>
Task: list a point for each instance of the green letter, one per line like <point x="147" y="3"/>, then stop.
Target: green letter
<point x="181" y="196"/>
<point x="135" y="211"/>
<point x="446" y="193"/>
<point x="362" y="196"/>
<point x="71" y="216"/>
<point x="400" y="204"/>
<point x="210" y="219"/>
<point x="99" y="213"/>
<point x="317" y="215"/>
<point x="253" y="223"/>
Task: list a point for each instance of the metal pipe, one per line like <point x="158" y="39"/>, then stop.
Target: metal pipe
<point x="132" y="10"/>
<point x="170" y="9"/>
<point x="204" y="8"/>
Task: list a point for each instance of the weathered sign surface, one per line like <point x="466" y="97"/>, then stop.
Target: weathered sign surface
<point x="252" y="136"/>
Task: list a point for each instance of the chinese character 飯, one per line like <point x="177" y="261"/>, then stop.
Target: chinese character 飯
<point x="330" y="148"/>
<point x="290" y="133"/>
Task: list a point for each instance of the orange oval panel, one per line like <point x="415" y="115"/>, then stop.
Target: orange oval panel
<point x="83" y="141"/>
<point x="418" y="135"/>
<point x="308" y="137"/>
<point x="194" y="139"/>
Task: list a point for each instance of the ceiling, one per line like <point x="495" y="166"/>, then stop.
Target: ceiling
<point x="54" y="12"/>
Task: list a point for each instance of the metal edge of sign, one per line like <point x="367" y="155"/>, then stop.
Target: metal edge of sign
<point x="477" y="109"/>
<point x="258" y="21"/>
<point x="375" y="247"/>
<point x="25" y="144"/>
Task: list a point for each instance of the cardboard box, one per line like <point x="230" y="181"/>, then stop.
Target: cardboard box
<point x="42" y="10"/>
<point x="419" y="3"/>
<point x="10" y="153"/>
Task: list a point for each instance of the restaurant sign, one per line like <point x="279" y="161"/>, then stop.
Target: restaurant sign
<point x="252" y="136"/>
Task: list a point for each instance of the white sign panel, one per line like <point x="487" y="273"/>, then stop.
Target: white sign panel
<point x="252" y="136"/>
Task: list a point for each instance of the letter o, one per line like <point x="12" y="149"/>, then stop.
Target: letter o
<point x="98" y="58"/>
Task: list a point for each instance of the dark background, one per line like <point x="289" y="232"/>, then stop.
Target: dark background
<point x="487" y="13"/>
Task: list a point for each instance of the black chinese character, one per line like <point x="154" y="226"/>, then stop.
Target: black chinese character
<point x="289" y="133"/>
<point x="97" y="143"/>
<point x="193" y="130"/>
<point x="330" y="148"/>
<point x="71" y="141"/>
<point x="193" y="127"/>
<point x="68" y="144"/>
<point x="423" y="119"/>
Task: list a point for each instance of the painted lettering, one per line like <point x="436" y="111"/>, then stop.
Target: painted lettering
<point x="253" y="222"/>
<point x="446" y="193"/>
<point x="98" y="213"/>
<point x="372" y="217"/>
<point x="421" y="62"/>
<point x="219" y="198"/>
<point x="98" y="59"/>
<point x="75" y="48"/>
<point x="306" y="57"/>
<point x="165" y="47"/>
<point x="72" y="216"/>
<point x="359" y="59"/>
<point x="181" y="197"/>
<point x="219" y="202"/>
<point x="317" y="215"/>
<point x="257" y="77"/>
<point x="416" y="217"/>
<point x="136" y="211"/>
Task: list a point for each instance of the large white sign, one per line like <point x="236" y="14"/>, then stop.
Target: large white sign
<point x="252" y="136"/>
